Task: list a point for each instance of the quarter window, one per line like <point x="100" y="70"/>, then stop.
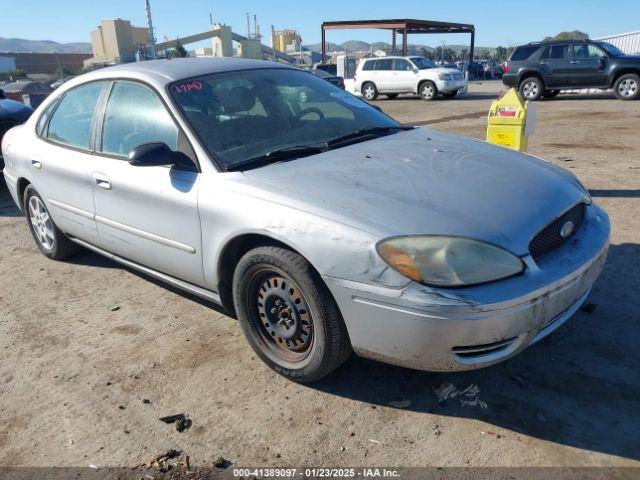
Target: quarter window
<point x="71" y="121"/>
<point x="135" y="116"/>
<point x="369" y="65"/>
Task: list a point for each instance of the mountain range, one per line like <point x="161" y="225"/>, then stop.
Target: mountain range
<point x="21" y="45"/>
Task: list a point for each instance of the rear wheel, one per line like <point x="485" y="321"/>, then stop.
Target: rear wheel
<point x="428" y="90"/>
<point x="627" y="87"/>
<point x="50" y="240"/>
<point x="531" y="88"/>
<point x="288" y="315"/>
<point x="369" y="91"/>
<point x="450" y="94"/>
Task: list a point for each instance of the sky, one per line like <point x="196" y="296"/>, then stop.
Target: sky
<point x="497" y="22"/>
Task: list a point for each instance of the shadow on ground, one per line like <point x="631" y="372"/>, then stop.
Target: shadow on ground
<point x="7" y="206"/>
<point x="578" y="387"/>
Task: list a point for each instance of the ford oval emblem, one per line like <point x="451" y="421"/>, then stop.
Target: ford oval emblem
<point x="567" y="229"/>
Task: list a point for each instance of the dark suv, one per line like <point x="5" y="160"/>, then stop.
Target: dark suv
<point x="543" y="69"/>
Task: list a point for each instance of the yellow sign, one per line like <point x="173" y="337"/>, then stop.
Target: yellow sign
<point x="507" y="122"/>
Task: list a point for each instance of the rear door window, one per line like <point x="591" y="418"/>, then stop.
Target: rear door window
<point x="384" y="64"/>
<point x="556" y="52"/>
<point x="71" y="121"/>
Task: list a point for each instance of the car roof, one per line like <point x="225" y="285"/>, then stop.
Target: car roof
<point x="553" y="42"/>
<point x="160" y="73"/>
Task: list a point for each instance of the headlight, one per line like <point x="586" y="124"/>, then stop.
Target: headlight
<point x="444" y="76"/>
<point x="448" y="261"/>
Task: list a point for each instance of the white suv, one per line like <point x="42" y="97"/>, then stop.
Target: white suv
<point x="393" y="75"/>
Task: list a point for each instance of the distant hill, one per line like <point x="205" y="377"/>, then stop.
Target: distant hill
<point x="21" y="45"/>
<point x="360" y="46"/>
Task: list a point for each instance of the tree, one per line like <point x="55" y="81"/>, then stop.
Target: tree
<point x="178" y="50"/>
<point x="13" y="75"/>
<point x="575" y="35"/>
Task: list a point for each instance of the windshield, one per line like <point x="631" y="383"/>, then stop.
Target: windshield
<point x="247" y="114"/>
<point x="423" y="63"/>
<point x="611" y="50"/>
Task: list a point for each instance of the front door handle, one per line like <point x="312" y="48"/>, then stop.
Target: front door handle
<point x="36" y="164"/>
<point x="102" y="181"/>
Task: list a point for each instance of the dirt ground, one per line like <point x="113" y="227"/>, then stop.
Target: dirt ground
<point x="91" y="354"/>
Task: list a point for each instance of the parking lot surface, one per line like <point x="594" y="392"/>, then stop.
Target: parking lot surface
<point x="92" y="354"/>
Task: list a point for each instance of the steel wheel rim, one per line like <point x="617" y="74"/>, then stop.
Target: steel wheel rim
<point x="427" y="91"/>
<point x="41" y="223"/>
<point x="530" y="89"/>
<point x="281" y="316"/>
<point x="628" y="87"/>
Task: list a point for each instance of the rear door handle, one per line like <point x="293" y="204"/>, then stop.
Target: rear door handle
<point x="36" y="164"/>
<point x="102" y="181"/>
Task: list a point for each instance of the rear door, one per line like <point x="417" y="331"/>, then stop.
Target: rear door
<point x="145" y="214"/>
<point x="557" y="65"/>
<point x="384" y="74"/>
<point x="589" y="64"/>
<point x="60" y="160"/>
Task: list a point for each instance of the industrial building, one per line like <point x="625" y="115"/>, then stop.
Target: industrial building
<point x="42" y="63"/>
<point x="285" y="41"/>
<point x="116" y="41"/>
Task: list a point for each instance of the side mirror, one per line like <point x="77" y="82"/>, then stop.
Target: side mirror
<point x="158" y="154"/>
<point x="415" y="70"/>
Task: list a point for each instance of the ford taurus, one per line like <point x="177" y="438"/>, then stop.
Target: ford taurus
<point x="325" y="226"/>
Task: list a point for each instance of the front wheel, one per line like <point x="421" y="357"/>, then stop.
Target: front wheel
<point x="531" y="89"/>
<point x="627" y="87"/>
<point x="428" y="91"/>
<point x="50" y="240"/>
<point x="369" y="91"/>
<point x="288" y="315"/>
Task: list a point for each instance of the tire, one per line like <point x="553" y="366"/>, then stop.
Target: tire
<point x="392" y="96"/>
<point x="288" y="315"/>
<point x="450" y="94"/>
<point x="50" y="240"/>
<point x="627" y="87"/>
<point x="531" y="88"/>
<point x="428" y="90"/>
<point x="369" y="91"/>
<point x="551" y="93"/>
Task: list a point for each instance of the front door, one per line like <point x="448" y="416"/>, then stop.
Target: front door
<point x="145" y="214"/>
<point x="404" y="78"/>
<point x="589" y="63"/>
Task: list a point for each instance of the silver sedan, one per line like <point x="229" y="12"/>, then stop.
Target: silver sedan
<point x="325" y="226"/>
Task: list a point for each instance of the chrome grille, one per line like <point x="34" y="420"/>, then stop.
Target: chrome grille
<point x="549" y="238"/>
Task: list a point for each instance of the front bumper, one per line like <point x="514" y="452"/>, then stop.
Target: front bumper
<point x="446" y="86"/>
<point x="461" y="329"/>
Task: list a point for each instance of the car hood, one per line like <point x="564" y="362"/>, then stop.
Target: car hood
<point x="427" y="182"/>
<point x="12" y="110"/>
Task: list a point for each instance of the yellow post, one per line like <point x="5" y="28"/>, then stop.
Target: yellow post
<point x="507" y="122"/>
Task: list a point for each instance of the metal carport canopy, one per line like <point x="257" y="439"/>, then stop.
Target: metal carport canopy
<point x="403" y="26"/>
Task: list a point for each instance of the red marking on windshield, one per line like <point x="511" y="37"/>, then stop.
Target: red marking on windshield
<point x="187" y="87"/>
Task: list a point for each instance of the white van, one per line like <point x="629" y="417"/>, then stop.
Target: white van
<point x="391" y="76"/>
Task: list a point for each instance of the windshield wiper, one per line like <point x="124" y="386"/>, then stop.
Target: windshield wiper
<point x="285" y="153"/>
<point x="364" y="133"/>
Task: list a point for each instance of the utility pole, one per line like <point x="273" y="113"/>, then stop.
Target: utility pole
<point x="152" y="41"/>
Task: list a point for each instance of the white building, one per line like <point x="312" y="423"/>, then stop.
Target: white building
<point x="629" y="43"/>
